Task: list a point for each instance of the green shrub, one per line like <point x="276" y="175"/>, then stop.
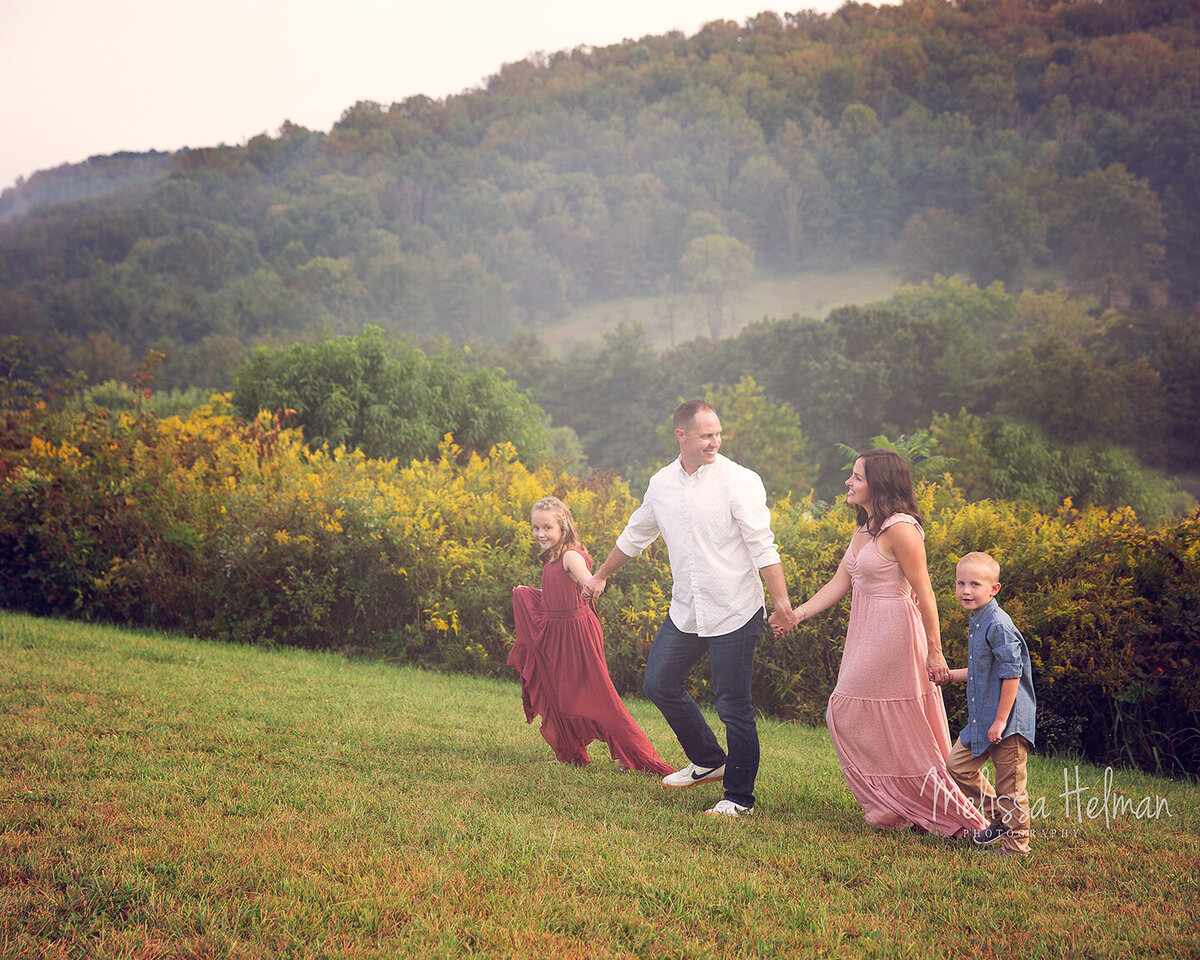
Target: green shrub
<point x="238" y="531"/>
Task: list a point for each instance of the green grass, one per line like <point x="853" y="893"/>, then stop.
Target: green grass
<point x="775" y="296"/>
<point x="165" y="797"/>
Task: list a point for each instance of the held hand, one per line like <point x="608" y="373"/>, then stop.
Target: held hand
<point x="783" y="621"/>
<point x="593" y="588"/>
<point x="935" y="665"/>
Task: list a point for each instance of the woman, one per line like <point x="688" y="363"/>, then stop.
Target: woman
<point x="886" y="716"/>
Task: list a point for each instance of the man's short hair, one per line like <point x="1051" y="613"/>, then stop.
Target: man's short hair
<point x="685" y="414"/>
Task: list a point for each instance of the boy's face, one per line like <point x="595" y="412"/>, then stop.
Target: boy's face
<point x="975" y="585"/>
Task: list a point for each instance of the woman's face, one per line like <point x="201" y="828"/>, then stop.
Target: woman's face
<point x="546" y="530"/>
<point x="858" y="494"/>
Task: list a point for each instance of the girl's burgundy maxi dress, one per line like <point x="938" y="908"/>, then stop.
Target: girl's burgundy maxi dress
<point x="559" y="653"/>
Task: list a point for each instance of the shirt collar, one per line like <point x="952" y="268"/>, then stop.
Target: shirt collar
<point x="984" y="613"/>
<point x="700" y="470"/>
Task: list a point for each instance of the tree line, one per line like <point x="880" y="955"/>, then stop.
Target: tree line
<point x="1029" y="143"/>
<point x="1034" y="397"/>
<point x="1030" y="399"/>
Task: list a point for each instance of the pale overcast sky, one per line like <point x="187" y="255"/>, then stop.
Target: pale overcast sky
<point x="85" y="77"/>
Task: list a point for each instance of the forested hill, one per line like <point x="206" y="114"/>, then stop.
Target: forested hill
<point x="1024" y="141"/>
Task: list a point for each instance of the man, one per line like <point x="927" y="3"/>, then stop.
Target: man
<point x="713" y="516"/>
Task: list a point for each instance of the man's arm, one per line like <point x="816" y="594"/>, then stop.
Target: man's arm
<point x="612" y="563"/>
<point x="783" y="618"/>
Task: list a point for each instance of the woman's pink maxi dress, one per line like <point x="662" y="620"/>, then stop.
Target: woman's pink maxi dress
<point x="886" y="718"/>
<point x="559" y="653"/>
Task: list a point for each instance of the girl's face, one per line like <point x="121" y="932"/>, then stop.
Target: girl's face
<point x="858" y="494"/>
<point x="546" y="530"/>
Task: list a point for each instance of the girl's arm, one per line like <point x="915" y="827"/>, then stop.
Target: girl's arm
<point x="576" y="566"/>
<point x="903" y="543"/>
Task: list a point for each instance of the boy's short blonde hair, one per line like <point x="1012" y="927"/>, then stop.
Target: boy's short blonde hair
<point x="984" y="560"/>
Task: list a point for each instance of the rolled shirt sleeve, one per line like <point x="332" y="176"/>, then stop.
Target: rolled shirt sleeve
<point x="753" y="519"/>
<point x="640" y="531"/>
<point x="1007" y="649"/>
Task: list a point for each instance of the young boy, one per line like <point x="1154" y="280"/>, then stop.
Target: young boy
<point x="1001" y="708"/>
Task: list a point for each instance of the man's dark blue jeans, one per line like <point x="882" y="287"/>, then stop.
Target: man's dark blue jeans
<point x="671" y="659"/>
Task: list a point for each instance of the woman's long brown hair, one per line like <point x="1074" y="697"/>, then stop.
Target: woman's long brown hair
<point x="889" y="483"/>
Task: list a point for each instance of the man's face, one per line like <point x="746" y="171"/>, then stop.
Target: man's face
<point x="700" y="443"/>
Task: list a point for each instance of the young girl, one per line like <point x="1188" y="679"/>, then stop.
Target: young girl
<point x="559" y="653"/>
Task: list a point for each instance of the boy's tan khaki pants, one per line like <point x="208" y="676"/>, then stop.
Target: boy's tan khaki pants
<point x="1008" y="803"/>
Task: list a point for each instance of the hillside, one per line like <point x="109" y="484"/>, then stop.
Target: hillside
<point x="996" y="139"/>
<point x="672" y="319"/>
<point x="594" y="220"/>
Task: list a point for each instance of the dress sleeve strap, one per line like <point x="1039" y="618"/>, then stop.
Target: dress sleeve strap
<point x="902" y="518"/>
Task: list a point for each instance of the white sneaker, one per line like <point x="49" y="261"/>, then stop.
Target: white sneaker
<point x="727" y="808"/>
<point x="691" y="775"/>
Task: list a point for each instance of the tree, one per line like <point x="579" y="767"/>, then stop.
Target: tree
<point x="1113" y="226"/>
<point x="757" y="192"/>
<point x="388" y="399"/>
<point x="1076" y="396"/>
<point x="714" y="265"/>
<point x="934" y="241"/>
<point x="763" y="436"/>
<point x="1009" y="232"/>
<point x="613" y="394"/>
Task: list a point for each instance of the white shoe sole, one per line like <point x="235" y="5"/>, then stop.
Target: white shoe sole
<point x="715" y="778"/>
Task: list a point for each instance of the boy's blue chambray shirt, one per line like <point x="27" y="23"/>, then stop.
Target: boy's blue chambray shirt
<point x="996" y="651"/>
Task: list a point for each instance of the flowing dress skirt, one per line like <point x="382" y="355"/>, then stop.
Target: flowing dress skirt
<point x="559" y="654"/>
<point x="886" y="719"/>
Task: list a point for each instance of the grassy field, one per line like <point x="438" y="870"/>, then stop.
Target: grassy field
<point x="674" y="320"/>
<point x="164" y="797"/>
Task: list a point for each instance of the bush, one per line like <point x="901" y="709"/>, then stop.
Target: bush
<point x="388" y="399"/>
<point x="1109" y="608"/>
<point x="238" y="531"/>
<point x="999" y="458"/>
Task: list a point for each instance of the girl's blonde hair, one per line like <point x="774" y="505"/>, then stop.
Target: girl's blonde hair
<point x="566" y="523"/>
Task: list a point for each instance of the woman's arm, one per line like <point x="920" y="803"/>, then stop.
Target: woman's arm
<point x="835" y="588"/>
<point x="904" y="543"/>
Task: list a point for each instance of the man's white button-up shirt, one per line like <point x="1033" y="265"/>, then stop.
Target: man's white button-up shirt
<point x="717" y="529"/>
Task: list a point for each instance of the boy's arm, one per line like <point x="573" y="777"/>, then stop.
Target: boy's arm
<point x="594" y="585"/>
<point x="957" y="676"/>
<point x="1008" y="696"/>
